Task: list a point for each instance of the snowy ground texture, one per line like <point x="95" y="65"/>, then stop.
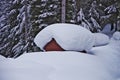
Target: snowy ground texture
<point x="103" y="63"/>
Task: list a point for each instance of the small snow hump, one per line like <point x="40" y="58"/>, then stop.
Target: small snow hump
<point x="116" y="35"/>
<point x="101" y="39"/>
<point x="69" y="37"/>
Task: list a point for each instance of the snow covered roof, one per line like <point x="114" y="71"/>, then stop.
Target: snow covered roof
<point x="70" y="37"/>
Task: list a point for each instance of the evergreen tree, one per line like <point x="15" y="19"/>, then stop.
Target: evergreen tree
<point x="14" y="39"/>
<point x="23" y="21"/>
<point x="100" y="13"/>
<point x="43" y="13"/>
<point x="4" y="27"/>
<point x="70" y="11"/>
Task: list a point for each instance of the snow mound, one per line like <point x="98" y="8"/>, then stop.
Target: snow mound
<point x="65" y="65"/>
<point x="2" y="58"/>
<point x="116" y="35"/>
<point x="110" y="55"/>
<point x="68" y="36"/>
<point x="101" y="39"/>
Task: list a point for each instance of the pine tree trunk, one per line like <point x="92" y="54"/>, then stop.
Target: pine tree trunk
<point x="26" y="23"/>
<point x="63" y="17"/>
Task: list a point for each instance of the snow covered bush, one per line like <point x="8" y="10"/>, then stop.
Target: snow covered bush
<point x="68" y="36"/>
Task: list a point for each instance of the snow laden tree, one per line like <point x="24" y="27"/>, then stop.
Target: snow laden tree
<point x="90" y="24"/>
<point x="111" y="14"/>
<point x="70" y="11"/>
<point x="50" y="11"/>
<point x="100" y="13"/>
<point x="15" y="38"/>
<point x="12" y="42"/>
<point x="23" y="21"/>
<point x="82" y="21"/>
<point x="83" y="16"/>
<point x="4" y="27"/>
<point x="23" y="30"/>
<point x="105" y="12"/>
<point x="94" y="17"/>
<point x="43" y="13"/>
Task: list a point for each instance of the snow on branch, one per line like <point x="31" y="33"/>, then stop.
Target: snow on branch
<point x="111" y="9"/>
<point x="93" y="11"/>
<point x="83" y="22"/>
<point x="95" y="24"/>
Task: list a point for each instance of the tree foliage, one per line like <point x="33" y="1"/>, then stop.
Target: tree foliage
<point x="102" y="11"/>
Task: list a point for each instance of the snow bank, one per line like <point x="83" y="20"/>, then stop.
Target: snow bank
<point x="2" y="58"/>
<point x="110" y="54"/>
<point x="68" y="36"/>
<point x="24" y="69"/>
<point x="65" y="65"/>
<point x="101" y="39"/>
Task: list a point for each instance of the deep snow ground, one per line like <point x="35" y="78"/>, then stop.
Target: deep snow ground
<point x="54" y="66"/>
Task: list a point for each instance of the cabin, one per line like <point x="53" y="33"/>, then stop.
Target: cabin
<point x="62" y="37"/>
<point x="53" y="46"/>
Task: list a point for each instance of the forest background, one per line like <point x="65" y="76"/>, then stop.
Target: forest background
<point x="21" y="20"/>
